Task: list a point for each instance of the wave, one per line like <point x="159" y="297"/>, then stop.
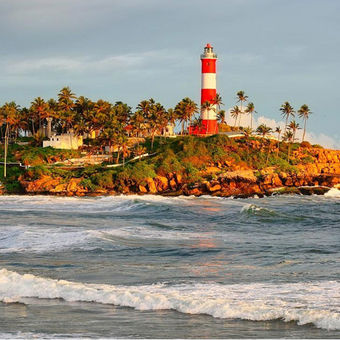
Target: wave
<point x="334" y="192"/>
<point x="314" y="302"/>
<point x="253" y="209"/>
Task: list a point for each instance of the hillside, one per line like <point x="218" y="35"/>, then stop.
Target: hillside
<point x="187" y="165"/>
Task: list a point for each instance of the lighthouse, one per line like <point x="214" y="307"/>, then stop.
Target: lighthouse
<point x="208" y="92"/>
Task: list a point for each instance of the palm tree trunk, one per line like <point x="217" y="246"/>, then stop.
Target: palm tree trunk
<point x="286" y="124"/>
<point x="6" y="147"/>
<point x="304" y="130"/>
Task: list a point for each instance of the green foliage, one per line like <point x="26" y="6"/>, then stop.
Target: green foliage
<point x="38" y="171"/>
<point x="137" y="172"/>
<point x="168" y="162"/>
<point x="11" y="182"/>
<point x="87" y="183"/>
<point x="103" y="179"/>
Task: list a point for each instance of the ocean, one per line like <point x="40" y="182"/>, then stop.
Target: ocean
<point x="170" y="267"/>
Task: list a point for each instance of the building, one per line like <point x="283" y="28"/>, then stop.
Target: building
<point x="208" y="122"/>
<point x="67" y="141"/>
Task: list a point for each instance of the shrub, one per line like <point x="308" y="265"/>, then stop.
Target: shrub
<point x="87" y="183"/>
<point x="305" y="144"/>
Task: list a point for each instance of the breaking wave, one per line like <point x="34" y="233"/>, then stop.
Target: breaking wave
<point x="334" y="192"/>
<point x="305" y="303"/>
<point x="253" y="209"/>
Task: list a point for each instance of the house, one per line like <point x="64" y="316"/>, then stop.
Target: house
<point x="67" y="141"/>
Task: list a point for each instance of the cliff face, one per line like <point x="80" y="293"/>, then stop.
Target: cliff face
<point x="322" y="170"/>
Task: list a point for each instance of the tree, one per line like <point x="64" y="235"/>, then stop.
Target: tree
<point x="278" y="131"/>
<point x="40" y="110"/>
<point x="185" y="110"/>
<point x="264" y="130"/>
<point x="9" y="116"/>
<point x="304" y="113"/>
<point x="221" y="116"/>
<point x="288" y="137"/>
<point x="218" y="101"/>
<point x="250" y="109"/>
<point x="294" y="126"/>
<point x="241" y="99"/>
<point x="235" y="112"/>
<point x="287" y="111"/>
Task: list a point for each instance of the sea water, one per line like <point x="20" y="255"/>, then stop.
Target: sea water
<point x="170" y="267"/>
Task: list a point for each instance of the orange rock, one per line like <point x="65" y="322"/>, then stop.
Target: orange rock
<point x="151" y="185"/>
<point x="142" y="189"/>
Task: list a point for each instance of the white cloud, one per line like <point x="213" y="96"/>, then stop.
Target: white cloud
<point x="82" y="64"/>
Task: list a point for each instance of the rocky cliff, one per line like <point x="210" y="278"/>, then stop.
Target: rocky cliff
<point x="321" y="172"/>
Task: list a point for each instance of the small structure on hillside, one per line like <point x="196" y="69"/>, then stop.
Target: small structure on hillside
<point x="68" y="141"/>
<point x="168" y="131"/>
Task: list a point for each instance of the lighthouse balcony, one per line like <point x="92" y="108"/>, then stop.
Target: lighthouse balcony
<point x="209" y="56"/>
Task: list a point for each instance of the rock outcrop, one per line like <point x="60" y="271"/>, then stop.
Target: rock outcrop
<point x="317" y="171"/>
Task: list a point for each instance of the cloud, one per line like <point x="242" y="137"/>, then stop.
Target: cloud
<point x="332" y="142"/>
<point x="84" y="64"/>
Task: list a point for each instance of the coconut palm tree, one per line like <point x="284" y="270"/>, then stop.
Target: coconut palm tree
<point x="287" y="111"/>
<point x="294" y="126"/>
<point x="218" y="101"/>
<point x="278" y="131"/>
<point x="250" y="109"/>
<point x="185" y="110"/>
<point x="235" y="112"/>
<point x="221" y="116"/>
<point x="9" y="114"/>
<point x="288" y="137"/>
<point x="304" y="113"/>
<point x="241" y="99"/>
<point x="40" y="109"/>
<point x="264" y="130"/>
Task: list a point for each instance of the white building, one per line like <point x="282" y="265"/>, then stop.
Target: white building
<point x="67" y="141"/>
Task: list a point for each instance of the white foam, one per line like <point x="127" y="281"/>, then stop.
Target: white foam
<point x="314" y="302"/>
<point x="40" y="240"/>
<point x="334" y="192"/>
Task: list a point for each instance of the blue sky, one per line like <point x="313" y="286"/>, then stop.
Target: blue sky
<point x="131" y="50"/>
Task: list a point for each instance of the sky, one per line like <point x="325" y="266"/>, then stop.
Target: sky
<point x="131" y="50"/>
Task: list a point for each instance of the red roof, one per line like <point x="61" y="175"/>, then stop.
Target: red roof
<point x="208" y="46"/>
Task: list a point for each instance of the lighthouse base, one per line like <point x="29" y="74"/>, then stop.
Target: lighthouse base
<point x="207" y="127"/>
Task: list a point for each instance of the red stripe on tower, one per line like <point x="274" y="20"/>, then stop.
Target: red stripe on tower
<point x="208" y="92"/>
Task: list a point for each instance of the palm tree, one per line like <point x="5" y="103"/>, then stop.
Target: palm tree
<point x="235" y="112"/>
<point x="241" y="99"/>
<point x="9" y="113"/>
<point x="278" y="131"/>
<point x="185" y="110"/>
<point x="218" y="101"/>
<point x="288" y="137"/>
<point x="294" y="126"/>
<point x="40" y="109"/>
<point x="250" y="109"/>
<point x="264" y="130"/>
<point x="304" y="113"/>
<point x="221" y="116"/>
<point x="287" y="111"/>
<point x="139" y="151"/>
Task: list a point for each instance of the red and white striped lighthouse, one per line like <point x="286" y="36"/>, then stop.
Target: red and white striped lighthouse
<point x="208" y="91"/>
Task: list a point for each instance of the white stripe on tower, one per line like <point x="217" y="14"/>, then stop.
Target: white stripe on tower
<point x="208" y="80"/>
